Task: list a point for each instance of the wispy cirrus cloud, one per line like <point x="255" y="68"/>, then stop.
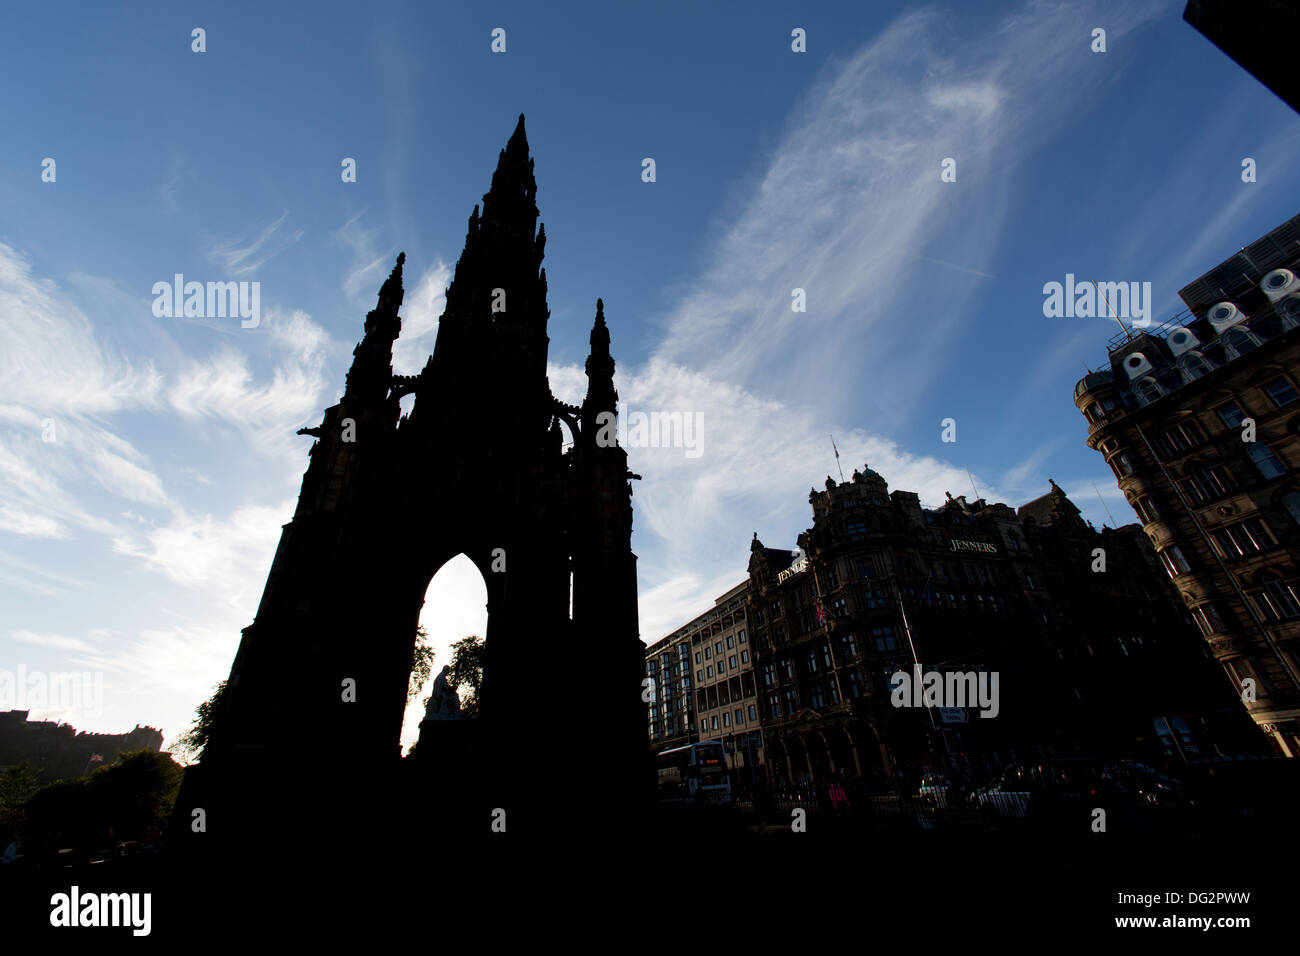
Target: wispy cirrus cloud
<point x="851" y="196"/>
<point x="242" y="256"/>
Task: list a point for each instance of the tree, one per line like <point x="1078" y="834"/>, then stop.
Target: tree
<point x="191" y="743"/>
<point x="421" y="663"/>
<point x="130" y="800"/>
<point x="17" y="784"/>
<point x="467" y="670"/>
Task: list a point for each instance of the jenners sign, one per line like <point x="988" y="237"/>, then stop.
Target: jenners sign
<point x="982" y="546"/>
<point x="792" y="570"/>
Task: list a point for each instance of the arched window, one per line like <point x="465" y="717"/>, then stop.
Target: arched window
<point x="1292" y="504"/>
<point x="1239" y="341"/>
<point x="1269" y="465"/>
<point x="1193" y="365"/>
<point x="1148" y="390"/>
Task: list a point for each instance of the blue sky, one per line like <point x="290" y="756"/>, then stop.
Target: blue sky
<point x="136" y="543"/>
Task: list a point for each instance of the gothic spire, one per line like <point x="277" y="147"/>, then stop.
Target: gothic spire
<point x="372" y="362"/>
<point x="601" y="396"/>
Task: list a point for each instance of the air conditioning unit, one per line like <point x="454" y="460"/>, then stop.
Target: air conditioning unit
<point x="1224" y="316"/>
<point x="1278" y="283"/>
<point x="1181" y="339"/>
<point x="1136" y="365"/>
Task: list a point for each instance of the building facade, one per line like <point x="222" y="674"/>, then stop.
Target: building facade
<point x="704" y="680"/>
<point x="1076" y="640"/>
<point x="1199" y="420"/>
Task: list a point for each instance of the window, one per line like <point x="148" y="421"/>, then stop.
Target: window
<point x="856" y="530"/>
<point x="697" y="657"/>
<point x="812" y="659"/>
<point x="773" y="705"/>
<point x="708" y="671"/>
<point x="731" y="662"/>
<point x="1167" y="728"/>
<point x="832" y="578"/>
<point x="1181" y="438"/>
<point x="726" y="719"/>
<point x="1146" y="509"/>
<point x="751" y="713"/>
<point x="815" y="696"/>
<point x="1148" y="390"/>
<point x="840" y="606"/>
<point x="850" y="646"/>
<point x="1269" y="465"/>
<point x="884" y="639"/>
<point x="1231" y="414"/>
<point x="744" y="656"/>
<point x="1240" y="670"/>
<point x="1279" y="599"/>
<point x="1281" y="392"/>
<point x="1029" y="580"/>
<point x="717" y="648"/>
<point x="1239" y="341"/>
<point x="699" y="675"/>
<point x="1093" y="412"/>
<point x="1248" y="537"/>
<point x="713" y="722"/>
<point x="1173" y="560"/>
<point x="769" y="674"/>
<point x="866" y="567"/>
<point x="1120" y="464"/>
<point x="1207" y="619"/>
<point x="708" y="653"/>
<point x="790" y="701"/>
<point x="1292" y="504"/>
<point x="1193" y="365"/>
<point x="1208" y="484"/>
<point x="741" y="637"/>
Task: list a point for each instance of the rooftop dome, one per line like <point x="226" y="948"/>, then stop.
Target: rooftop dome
<point x="1092" y="380"/>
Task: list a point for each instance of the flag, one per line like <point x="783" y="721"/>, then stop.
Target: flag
<point x="96" y="758"/>
<point x="821" y="613"/>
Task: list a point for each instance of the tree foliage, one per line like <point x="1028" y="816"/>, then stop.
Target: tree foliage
<point x="125" y="801"/>
<point x="421" y="663"/>
<point x="467" y="671"/>
<point x="17" y="785"/>
<point x="191" y="743"/>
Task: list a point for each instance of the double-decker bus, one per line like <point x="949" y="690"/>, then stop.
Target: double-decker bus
<point x="695" y="773"/>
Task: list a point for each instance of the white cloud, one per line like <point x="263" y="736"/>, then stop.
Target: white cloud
<point x="421" y="309"/>
<point x="30" y="525"/>
<point x="240" y="258"/>
<point x="221" y="386"/>
<point x="227" y="559"/>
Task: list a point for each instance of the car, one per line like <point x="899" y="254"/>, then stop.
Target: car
<point x="1039" y="789"/>
<point x="935" y="791"/>
<point x="1144" y="785"/>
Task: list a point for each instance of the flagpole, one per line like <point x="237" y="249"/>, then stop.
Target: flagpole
<point x="837" y="460"/>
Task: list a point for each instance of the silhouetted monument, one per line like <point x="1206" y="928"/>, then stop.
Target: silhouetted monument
<point x="315" y="700"/>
